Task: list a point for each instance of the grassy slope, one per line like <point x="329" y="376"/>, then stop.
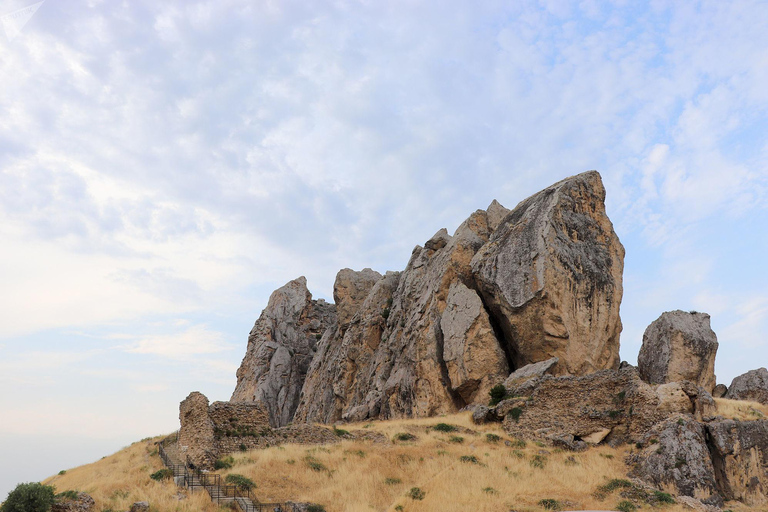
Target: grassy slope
<point x="356" y="473"/>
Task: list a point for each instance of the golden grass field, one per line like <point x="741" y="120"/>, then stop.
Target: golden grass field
<point x="356" y="476"/>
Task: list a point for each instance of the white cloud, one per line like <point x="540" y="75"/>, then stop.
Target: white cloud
<point x="196" y="340"/>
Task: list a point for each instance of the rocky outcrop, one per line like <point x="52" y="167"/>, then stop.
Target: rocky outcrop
<point x="509" y="288"/>
<point x="281" y="347"/>
<point x="740" y="455"/>
<point x="720" y="391"/>
<point x="752" y="385"/>
<point x="614" y="406"/>
<point x="551" y="274"/>
<point x="679" y="346"/>
<point x="674" y="454"/>
<point x="82" y="503"/>
<point x="523" y="380"/>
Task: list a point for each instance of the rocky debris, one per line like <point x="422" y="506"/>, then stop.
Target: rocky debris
<point x="523" y="380"/>
<point x="693" y="504"/>
<point x="585" y="407"/>
<point x="140" y="506"/>
<point x="483" y="414"/>
<point x="196" y="435"/>
<point x="752" y="386"/>
<point x="719" y="391"/>
<point x="675" y="453"/>
<point x="740" y="456"/>
<point x="679" y="346"/>
<point x="281" y="347"/>
<point x="83" y="503"/>
<point x="551" y="275"/>
<point x="704" y="406"/>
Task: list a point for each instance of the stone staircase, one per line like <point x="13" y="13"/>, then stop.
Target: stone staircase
<point x="220" y="494"/>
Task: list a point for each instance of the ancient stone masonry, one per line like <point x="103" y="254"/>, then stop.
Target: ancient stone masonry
<point x="679" y="346"/>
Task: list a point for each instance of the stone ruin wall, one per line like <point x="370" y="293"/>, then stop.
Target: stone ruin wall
<point x="209" y="431"/>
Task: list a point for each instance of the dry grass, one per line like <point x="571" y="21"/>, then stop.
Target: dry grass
<point x="117" y="481"/>
<point x="477" y="474"/>
<point x="741" y="409"/>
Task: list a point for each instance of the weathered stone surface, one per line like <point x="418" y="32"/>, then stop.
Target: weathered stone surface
<point x="527" y="373"/>
<point x="196" y="435"/>
<point x="140" y="506"/>
<point x="752" y="385"/>
<point x="421" y="344"/>
<point x="551" y="274"/>
<point x="483" y="414"/>
<point x="472" y="354"/>
<point x="740" y="456"/>
<point x="674" y="454"/>
<point x="281" y="347"/>
<point x="349" y="292"/>
<point x="616" y="400"/>
<point x="679" y="346"/>
<point x="83" y="503"/>
<point x="719" y="391"/>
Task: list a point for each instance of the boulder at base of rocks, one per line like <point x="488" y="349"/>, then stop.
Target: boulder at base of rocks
<point x="483" y="414"/>
<point x="679" y="346"/>
<point x="83" y="503"/>
<point x="719" y="391"/>
<point x="520" y="382"/>
<point x="740" y="457"/>
<point x="551" y="275"/>
<point x="585" y="407"/>
<point x="675" y="452"/>
<point x="140" y="506"/>
<point x="752" y="385"/>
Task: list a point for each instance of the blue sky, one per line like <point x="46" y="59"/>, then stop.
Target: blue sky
<point x="165" y="165"/>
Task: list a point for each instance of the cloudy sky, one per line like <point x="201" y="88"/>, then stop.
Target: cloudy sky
<point x="165" y="165"/>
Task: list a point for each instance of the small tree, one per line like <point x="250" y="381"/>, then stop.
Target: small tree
<point x="30" y="497"/>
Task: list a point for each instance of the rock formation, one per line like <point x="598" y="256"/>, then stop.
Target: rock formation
<point x="281" y="346"/>
<point x="679" y="346"/>
<point x="752" y="385"/>
<point x="552" y="276"/>
<point x="509" y="288"/>
<point x="196" y="436"/>
<point x="740" y="456"/>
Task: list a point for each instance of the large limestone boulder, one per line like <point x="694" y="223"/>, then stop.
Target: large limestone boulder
<point x="752" y="385"/>
<point x="523" y="380"/>
<point x="350" y="291"/>
<point x="674" y="454"/>
<point x="740" y="456"/>
<point x="281" y="347"/>
<point x="679" y="346"/>
<point x="611" y="405"/>
<point x="551" y="274"/>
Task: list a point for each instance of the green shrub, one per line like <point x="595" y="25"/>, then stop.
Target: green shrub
<point x="416" y="494"/>
<point x="224" y="463"/>
<point x="385" y="313"/>
<point x="626" y="506"/>
<point x="162" y="474"/>
<point x="538" y="461"/>
<point x="66" y="495"/>
<point x="243" y="448"/>
<point x="314" y="507"/>
<point x="515" y="412"/>
<point x="29" y="497"/>
<point x="471" y="459"/>
<point x="445" y="427"/>
<point x="663" y="497"/>
<point x="392" y="481"/>
<point x="456" y="439"/>
<point x="340" y="431"/>
<point x="490" y="490"/>
<point x="497" y="393"/>
<point x="314" y="464"/>
<point x="518" y="443"/>
<point x="404" y="436"/>
<point x="492" y="438"/>
<point x="241" y="481"/>
<point x="616" y="483"/>
<point x="550" y="504"/>
<point x="63" y="472"/>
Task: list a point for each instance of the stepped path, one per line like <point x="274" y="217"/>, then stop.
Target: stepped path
<point x="211" y="482"/>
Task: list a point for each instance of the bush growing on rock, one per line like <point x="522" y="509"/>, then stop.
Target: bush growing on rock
<point x="162" y="474"/>
<point x="29" y="497"/>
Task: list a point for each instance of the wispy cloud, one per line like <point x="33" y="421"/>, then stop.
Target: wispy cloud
<point x="191" y="342"/>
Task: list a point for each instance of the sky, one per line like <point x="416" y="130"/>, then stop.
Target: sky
<point x="164" y="166"/>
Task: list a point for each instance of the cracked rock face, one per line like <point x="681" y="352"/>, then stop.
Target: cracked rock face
<point x="679" y="346"/>
<point x="752" y="385"/>
<point x="509" y="288"/>
<point x="281" y="347"/>
<point x="740" y="455"/>
<point x="552" y="274"/>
